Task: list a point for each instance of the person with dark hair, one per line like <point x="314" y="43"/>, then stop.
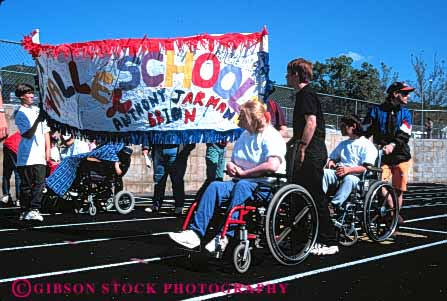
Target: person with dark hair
<point x="348" y="160"/>
<point x="3" y="123"/>
<point x="309" y="129"/>
<point x="390" y="125"/>
<point x="33" y="153"/>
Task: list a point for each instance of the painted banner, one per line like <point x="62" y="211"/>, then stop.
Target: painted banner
<point x="182" y="90"/>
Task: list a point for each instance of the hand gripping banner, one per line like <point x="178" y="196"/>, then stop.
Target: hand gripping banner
<point x="158" y="91"/>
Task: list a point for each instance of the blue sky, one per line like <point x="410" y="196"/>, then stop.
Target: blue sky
<point x="373" y="31"/>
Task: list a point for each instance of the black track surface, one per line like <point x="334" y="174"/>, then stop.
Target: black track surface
<point x="79" y="257"/>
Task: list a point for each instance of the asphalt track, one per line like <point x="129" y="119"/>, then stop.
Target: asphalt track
<point x="129" y="257"/>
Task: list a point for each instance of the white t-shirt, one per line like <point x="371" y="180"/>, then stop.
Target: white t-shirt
<point x="31" y="151"/>
<point x="78" y="147"/>
<point x="354" y="152"/>
<point x="252" y="149"/>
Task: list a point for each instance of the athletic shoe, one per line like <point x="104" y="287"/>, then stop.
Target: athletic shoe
<point x="217" y="244"/>
<point x="5" y="199"/>
<point x="34" y="215"/>
<point x="187" y="238"/>
<point x="322" y="249"/>
<point x="153" y="209"/>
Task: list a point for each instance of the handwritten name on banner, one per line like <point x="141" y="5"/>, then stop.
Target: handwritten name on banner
<point x="183" y="90"/>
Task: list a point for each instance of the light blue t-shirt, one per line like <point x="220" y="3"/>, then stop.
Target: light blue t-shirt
<point x="354" y="152"/>
<point x="252" y="149"/>
<point x="78" y="147"/>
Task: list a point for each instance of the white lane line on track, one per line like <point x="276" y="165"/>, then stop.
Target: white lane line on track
<point x="77" y="242"/>
<point x="96" y="267"/>
<point x="319" y="271"/>
<point x="425" y="218"/>
<point x="423" y="230"/>
<point x="91" y="223"/>
<point x="423" y="206"/>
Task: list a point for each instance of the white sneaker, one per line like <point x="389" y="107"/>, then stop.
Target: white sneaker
<point x="217" y="244"/>
<point x="322" y="249"/>
<point x="17" y="203"/>
<point x="187" y="238"/>
<point x="148" y="210"/>
<point x="34" y="215"/>
<point x="5" y="199"/>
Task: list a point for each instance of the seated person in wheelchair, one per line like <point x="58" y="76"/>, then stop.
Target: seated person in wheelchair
<point x="114" y="159"/>
<point x="348" y="160"/>
<point x="94" y="167"/>
<point x="259" y="151"/>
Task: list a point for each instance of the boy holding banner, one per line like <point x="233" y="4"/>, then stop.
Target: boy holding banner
<point x="33" y="153"/>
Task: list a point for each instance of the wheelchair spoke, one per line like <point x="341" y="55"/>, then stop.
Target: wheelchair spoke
<point x="297" y="219"/>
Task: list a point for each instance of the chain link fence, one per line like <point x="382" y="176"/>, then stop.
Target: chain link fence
<point x="16" y="67"/>
<point x="335" y="107"/>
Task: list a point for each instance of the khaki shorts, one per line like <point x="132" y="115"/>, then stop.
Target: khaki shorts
<point x="398" y="173"/>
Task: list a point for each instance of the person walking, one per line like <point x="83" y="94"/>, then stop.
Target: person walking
<point x="309" y="128"/>
<point x="390" y="126"/>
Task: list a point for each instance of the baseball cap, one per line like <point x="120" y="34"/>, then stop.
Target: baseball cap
<point x="399" y="86"/>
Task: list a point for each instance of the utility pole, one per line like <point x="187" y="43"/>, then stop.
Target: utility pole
<point x="422" y="109"/>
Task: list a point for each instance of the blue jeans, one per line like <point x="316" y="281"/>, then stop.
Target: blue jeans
<point x="164" y="159"/>
<point x="345" y="185"/>
<point x="234" y="192"/>
<point x="215" y="165"/>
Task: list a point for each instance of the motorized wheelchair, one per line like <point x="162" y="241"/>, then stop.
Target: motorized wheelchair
<point x="96" y="186"/>
<point x="368" y="209"/>
<point x="285" y="219"/>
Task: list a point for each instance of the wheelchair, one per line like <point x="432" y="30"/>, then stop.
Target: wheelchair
<point x="285" y="219"/>
<point x="96" y="187"/>
<point x="367" y="209"/>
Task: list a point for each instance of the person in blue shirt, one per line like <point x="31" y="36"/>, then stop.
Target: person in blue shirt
<point x="390" y="125"/>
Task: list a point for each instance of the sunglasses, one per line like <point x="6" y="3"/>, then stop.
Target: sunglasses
<point x="404" y="93"/>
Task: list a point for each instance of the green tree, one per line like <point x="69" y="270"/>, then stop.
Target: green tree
<point x="338" y="77"/>
<point x="387" y="76"/>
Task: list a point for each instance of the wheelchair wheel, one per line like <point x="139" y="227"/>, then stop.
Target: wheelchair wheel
<point x="239" y="263"/>
<point x="291" y="224"/>
<point x="92" y="210"/>
<point x="109" y="203"/>
<point x="379" y="218"/>
<point x="347" y="235"/>
<point x="124" y="202"/>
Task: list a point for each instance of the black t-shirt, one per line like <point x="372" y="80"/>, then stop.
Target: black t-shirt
<point x="307" y="102"/>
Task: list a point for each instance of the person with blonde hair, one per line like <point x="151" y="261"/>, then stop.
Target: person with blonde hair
<point x="260" y="150"/>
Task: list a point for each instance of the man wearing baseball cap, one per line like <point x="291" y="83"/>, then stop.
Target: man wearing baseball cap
<point x="390" y="125"/>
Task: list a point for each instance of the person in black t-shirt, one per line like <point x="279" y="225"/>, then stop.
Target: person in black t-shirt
<point x="309" y="127"/>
